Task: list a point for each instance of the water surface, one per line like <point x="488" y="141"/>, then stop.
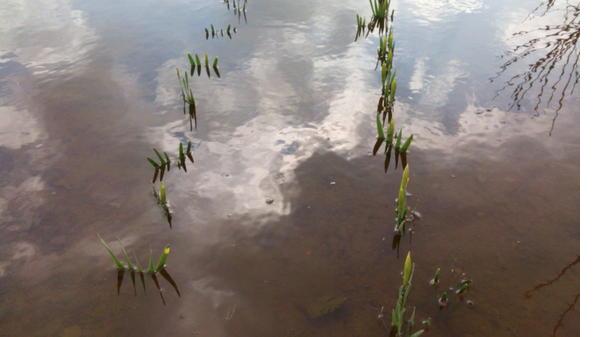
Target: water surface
<point x="88" y="88"/>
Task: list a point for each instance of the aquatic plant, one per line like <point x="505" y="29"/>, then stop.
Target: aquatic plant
<point x="401" y="149"/>
<point x="436" y="278"/>
<point x="188" y="97"/>
<point x="183" y="155"/>
<point x="214" y="33"/>
<point x="160" y="169"/>
<point x="196" y="64"/>
<point x="463" y="286"/>
<point x="443" y="300"/>
<point x="118" y="263"/>
<point x="361" y="26"/>
<point x="163" y="164"/>
<point x="401" y="202"/>
<point x="215" y="66"/>
<point x="389" y="143"/>
<point x="379" y="12"/>
<point x="401" y="324"/>
<point x="380" y="135"/>
<point x="161" y="200"/>
<point x="130" y="265"/>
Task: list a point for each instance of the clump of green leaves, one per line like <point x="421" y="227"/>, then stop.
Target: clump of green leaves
<point x="183" y="155"/>
<point x="196" y="64"/>
<point x="162" y="163"/>
<point x="403" y="324"/>
<point x="463" y="286"/>
<point x="379" y="14"/>
<point x="131" y="266"/>
<point x="361" y="26"/>
<point x="161" y="166"/>
<point x="229" y="31"/>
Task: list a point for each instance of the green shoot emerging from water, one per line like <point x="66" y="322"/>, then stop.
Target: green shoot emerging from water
<point x="163" y="162"/>
<point x="401" y="324"/>
<point x="436" y="278"/>
<point x="401" y="202"/>
<point x="131" y="266"/>
<point x="401" y="149"/>
<point x="161" y="200"/>
<point x="188" y="97"/>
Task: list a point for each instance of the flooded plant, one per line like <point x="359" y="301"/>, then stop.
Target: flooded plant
<point x="163" y="165"/>
<point x="436" y="278"/>
<point x="152" y="270"/>
<point x="463" y="286"/>
<point x="403" y="324"/>
<point x="401" y="202"/>
<point x="239" y="7"/>
<point x="401" y="149"/>
<point x="380" y="135"/>
<point x="361" y="26"/>
<point x="196" y="64"/>
<point x="443" y="300"/>
<point x="214" y="34"/>
<point x="163" y="162"/>
<point x="215" y="66"/>
<point x="161" y="200"/>
<point x="188" y="98"/>
<point x="379" y="14"/>
<point x="183" y="155"/>
<point x="389" y="144"/>
<point x="130" y="265"/>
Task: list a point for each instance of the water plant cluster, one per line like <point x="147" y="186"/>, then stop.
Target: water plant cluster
<point x="460" y="288"/>
<point x="196" y="64"/>
<point x="381" y="20"/>
<point x="135" y="268"/>
<point x="239" y="8"/>
<point x="162" y="162"/>
<point x="214" y="33"/>
<point x="403" y="319"/>
<point x="187" y="95"/>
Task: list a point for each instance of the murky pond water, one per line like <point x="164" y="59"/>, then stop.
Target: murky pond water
<point x="283" y="226"/>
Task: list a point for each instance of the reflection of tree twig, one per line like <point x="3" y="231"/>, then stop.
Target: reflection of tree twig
<point x="561" y="45"/>
<point x="573" y="263"/>
<point x="564" y="314"/>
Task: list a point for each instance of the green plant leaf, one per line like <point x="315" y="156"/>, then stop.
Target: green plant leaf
<point x="408" y="269"/>
<point x="118" y="263"/>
